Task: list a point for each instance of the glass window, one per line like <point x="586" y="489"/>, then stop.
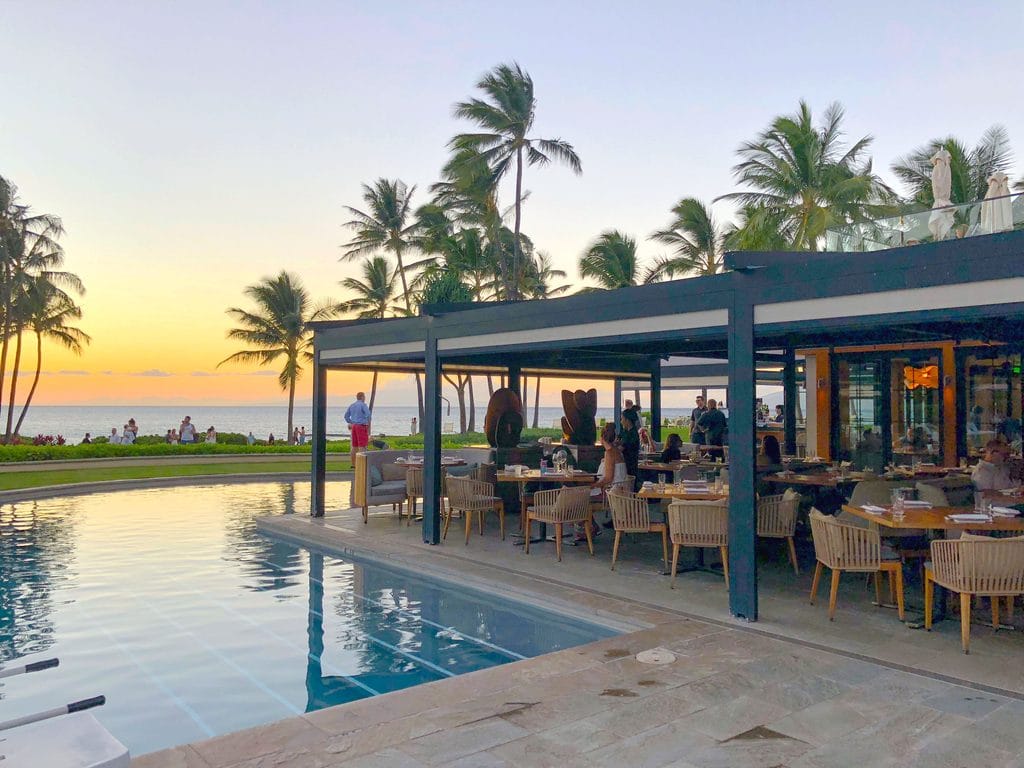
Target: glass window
<point x="916" y="397"/>
<point x="992" y="380"/>
<point x="859" y="393"/>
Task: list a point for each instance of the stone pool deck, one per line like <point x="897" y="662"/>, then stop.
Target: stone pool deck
<point x="792" y="690"/>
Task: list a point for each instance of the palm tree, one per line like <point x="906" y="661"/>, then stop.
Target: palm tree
<point x="279" y="327"/>
<point x="375" y="296"/>
<point x="804" y="175"/>
<point x="388" y="225"/>
<point x="506" y="115"/>
<point x="695" y="238"/>
<point x="612" y="261"/>
<point x="49" y="311"/>
<point x="969" y="168"/>
<point x="759" y="229"/>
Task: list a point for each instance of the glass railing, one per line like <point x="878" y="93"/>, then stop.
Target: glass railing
<point x="954" y="222"/>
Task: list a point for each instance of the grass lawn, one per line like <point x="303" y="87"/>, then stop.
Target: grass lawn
<point x="17" y="480"/>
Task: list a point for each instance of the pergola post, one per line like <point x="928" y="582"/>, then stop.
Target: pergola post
<point x="515" y="379"/>
<point x="432" y="443"/>
<point x="742" y="498"/>
<point x="318" y="449"/>
<point x="789" y="398"/>
<point x="617" y="404"/>
<point x="656" y="400"/>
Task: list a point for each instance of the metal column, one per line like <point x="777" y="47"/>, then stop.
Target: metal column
<point x="432" y="444"/>
<point x="656" y="400"/>
<point x="318" y="450"/>
<point x="789" y="397"/>
<point x="742" y="472"/>
<point x="515" y="381"/>
<point x="617" y="404"/>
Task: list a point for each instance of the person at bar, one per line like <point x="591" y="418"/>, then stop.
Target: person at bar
<point x="991" y="473"/>
<point x="696" y="435"/>
<point x="779" y="417"/>
<point x="713" y="424"/>
<point x="629" y="442"/>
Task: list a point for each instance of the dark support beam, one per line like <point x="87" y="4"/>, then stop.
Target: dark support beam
<point x="789" y="397"/>
<point x="742" y="474"/>
<point x="318" y="463"/>
<point x="515" y="379"/>
<point x="656" y="400"/>
<point x="432" y="444"/>
<point x="617" y="403"/>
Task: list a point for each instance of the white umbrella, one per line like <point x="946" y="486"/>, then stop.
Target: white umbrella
<point x="997" y="214"/>
<point x="941" y="219"/>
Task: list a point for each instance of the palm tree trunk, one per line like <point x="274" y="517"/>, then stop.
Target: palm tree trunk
<point x="524" y="395"/>
<point x="513" y="291"/>
<point x="536" y="403"/>
<point x="373" y="390"/>
<point x="7" y="306"/>
<point x="472" y="407"/>
<point x="35" y="382"/>
<point x="14" y="386"/>
<point x="291" y="407"/>
<point x="461" y="392"/>
<point x="419" y="401"/>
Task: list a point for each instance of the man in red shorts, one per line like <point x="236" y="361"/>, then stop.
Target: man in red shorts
<point x="358" y="419"/>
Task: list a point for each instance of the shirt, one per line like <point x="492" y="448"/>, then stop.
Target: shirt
<point x="358" y="413"/>
<point x="991" y="477"/>
<point x="713" y="425"/>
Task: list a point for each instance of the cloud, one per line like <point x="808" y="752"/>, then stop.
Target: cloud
<point x="261" y="373"/>
<point x="152" y="372"/>
<point x="73" y="373"/>
<point x="107" y="373"/>
<point x="204" y="373"/>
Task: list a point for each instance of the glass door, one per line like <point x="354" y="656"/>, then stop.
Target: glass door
<point x="859" y="420"/>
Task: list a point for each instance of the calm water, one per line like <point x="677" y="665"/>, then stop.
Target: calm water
<point x="193" y="624"/>
<point x="74" y="421"/>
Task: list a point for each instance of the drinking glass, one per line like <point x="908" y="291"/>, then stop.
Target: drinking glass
<point x="661" y="483"/>
<point x="979" y="502"/>
<point x="897" y="503"/>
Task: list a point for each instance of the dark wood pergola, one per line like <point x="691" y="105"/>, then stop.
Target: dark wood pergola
<point x="767" y="304"/>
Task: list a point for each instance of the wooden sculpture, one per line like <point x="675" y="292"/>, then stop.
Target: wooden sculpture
<point x="504" y="420"/>
<point x="579" y="425"/>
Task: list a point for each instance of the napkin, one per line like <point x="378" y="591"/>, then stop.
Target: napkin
<point x="968" y="518"/>
<point x="1005" y="511"/>
<point x="871" y="509"/>
<point x="914" y="504"/>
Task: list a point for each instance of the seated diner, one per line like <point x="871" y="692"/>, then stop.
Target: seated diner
<point x="991" y="473"/>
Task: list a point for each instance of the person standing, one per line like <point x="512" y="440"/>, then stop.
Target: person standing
<point x="87" y="440"/>
<point x="134" y="429"/>
<point x="187" y="432"/>
<point x="250" y="439"/>
<point x="696" y="434"/>
<point x="629" y="443"/>
<point x="211" y="435"/>
<point x="295" y="436"/>
<point x="713" y="424"/>
<point x="302" y="436"/>
<point x="127" y="437"/>
<point x="114" y="439"/>
<point x="358" y="419"/>
<point x="270" y="439"/>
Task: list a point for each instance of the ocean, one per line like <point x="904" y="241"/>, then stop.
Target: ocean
<point x="73" y="421"/>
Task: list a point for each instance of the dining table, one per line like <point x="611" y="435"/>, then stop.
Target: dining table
<point x="569" y="477"/>
<point x="680" y="492"/>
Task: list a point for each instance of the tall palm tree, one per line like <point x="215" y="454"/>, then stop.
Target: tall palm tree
<point x="506" y="115"/>
<point x="48" y="316"/>
<point x="612" y="261"/>
<point x="695" y="238"/>
<point x="374" y="298"/>
<point x="387" y="225"/>
<point x="969" y="168"/>
<point x="278" y="327"/>
<point x="805" y="175"/>
<point x="759" y="229"/>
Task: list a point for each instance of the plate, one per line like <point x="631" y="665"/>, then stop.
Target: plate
<point x="1005" y="511"/>
<point x="871" y="509"/>
<point x="968" y="518"/>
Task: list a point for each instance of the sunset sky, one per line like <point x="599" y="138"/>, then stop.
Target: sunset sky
<point x="195" y="147"/>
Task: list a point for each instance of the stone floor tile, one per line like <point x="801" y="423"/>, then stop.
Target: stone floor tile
<point x="734" y="717"/>
<point x="966" y="702"/>
<point x="749" y="753"/>
<point x="446" y="746"/>
<point x="820" y="723"/>
<point x="386" y="758"/>
<point x="543" y="715"/>
<point x="802" y="691"/>
<point x="1004" y="727"/>
<point x="539" y="751"/>
<point x="481" y="760"/>
<point x="176" y="757"/>
<point x="293" y="733"/>
<point x="655" y="748"/>
<point x="712" y="690"/>
<point x="964" y="748"/>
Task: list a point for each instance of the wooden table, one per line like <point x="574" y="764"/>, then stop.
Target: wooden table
<point x="818" y="479"/>
<point x="934" y="519"/>
<point x="675" y="492"/>
<point x="661" y="466"/>
<point x="535" y="476"/>
<point x="414" y="464"/>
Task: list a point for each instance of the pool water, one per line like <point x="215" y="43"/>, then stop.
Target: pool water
<point x="194" y="625"/>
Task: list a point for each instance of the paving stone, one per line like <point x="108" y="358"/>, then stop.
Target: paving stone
<point x="802" y="691"/>
<point x="177" y="757"/>
<point x="446" y="746"/>
<point x="734" y="717"/>
<point x="652" y="749"/>
<point x="821" y="723"/>
<point x="965" y="702"/>
<point x="964" y="748"/>
<point x="291" y="734"/>
<point x="387" y="758"/>
<point x="537" y="751"/>
<point x="1004" y="727"/>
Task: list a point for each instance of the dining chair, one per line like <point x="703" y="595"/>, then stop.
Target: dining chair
<point x="631" y="514"/>
<point x="413" y="491"/>
<point x="776" y="519"/>
<point x="568" y="505"/>
<point x="977" y="566"/>
<point x="841" y="547"/>
<point x="699" y="524"/>
<point x="472" y="497"/>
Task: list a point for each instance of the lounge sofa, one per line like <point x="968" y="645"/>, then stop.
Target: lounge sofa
<point x="379" y="480"/>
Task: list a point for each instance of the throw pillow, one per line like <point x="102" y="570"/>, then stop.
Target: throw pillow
<point x="392" y="472"/>
<point x="375" y="476"/>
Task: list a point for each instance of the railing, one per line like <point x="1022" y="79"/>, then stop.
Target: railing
<point x="984" y="217"/>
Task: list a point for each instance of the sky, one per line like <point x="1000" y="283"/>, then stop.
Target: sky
<point x="193" y="148"/>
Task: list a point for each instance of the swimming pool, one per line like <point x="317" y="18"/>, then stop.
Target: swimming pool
<point x="193" y="624"/>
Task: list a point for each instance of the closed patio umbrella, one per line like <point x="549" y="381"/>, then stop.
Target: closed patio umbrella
<point x="997" y="209"/>
<point x="941" y="219"/>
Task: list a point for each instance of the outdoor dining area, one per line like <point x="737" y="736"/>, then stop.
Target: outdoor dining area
<point x="908" y="519"/>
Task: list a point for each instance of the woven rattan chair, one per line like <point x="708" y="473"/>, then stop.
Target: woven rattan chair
<point x="776" y="519"/>
<point x="413" y="491"/>
<point x="472" y="497"/>
<point x="699" y="524"/>
<point x="560" y="507"/>
<point x="850" y="548"/>
<point x="632" y="515"/>
<point x="992" y="568"/>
